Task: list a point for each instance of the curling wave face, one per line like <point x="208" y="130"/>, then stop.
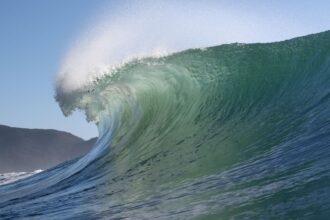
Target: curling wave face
<point x="232" y="131"/>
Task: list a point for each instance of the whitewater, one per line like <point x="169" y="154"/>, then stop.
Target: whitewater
<point x="225" y="132"/>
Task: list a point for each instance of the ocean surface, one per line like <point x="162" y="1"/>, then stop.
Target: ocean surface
<point x="237" y="131"/>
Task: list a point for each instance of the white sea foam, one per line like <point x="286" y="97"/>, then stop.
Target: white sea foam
<point x="6" y="178"/>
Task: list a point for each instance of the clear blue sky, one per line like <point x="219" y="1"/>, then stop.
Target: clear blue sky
<point x="36" y="34"/>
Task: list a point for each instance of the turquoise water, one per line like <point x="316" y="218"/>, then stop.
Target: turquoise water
<point x="238" y="131"/>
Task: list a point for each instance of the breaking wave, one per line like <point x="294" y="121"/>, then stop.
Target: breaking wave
<point x="232" y="131"/>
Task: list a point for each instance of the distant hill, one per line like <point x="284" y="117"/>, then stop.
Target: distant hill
<point x="32" y="149"/>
